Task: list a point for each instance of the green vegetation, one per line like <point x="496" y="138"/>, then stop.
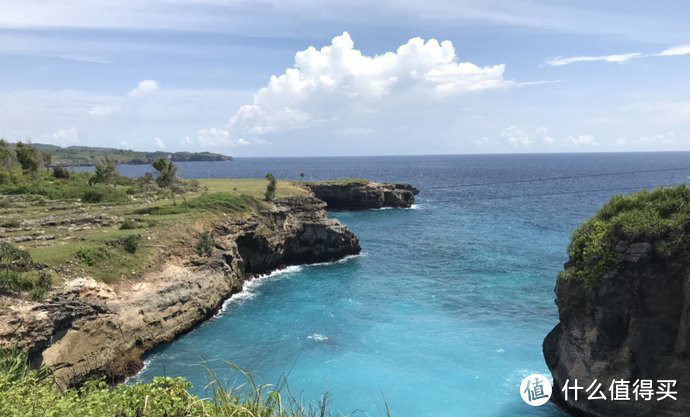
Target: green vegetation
<point x="86" y="155"/>
<point x="26" y="392"/>
<point x="660" y="217"/>
<point x="27" y="156"/>
<point x="270" y="187"/>
<point x="17" y="273"/>
<point x="131" y="243"/>
<point x="205" y="244"/>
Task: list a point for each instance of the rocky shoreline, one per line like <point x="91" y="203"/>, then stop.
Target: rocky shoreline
<point x="88" y="328"/>
<point x="363" y="195"/>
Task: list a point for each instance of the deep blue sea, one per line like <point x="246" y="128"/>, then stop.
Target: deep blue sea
<point x="444" y="312"/>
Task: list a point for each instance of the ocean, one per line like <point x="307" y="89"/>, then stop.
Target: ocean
<point x="444" y="312"/>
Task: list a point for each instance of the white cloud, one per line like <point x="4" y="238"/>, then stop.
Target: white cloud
<point x="661" y="139"/>
<point x="159" y="143"/>
<point x="144" y="88"/>
<point x="618" y="58"/>
<point x="676" y="51"/>
<point x="582" y="140"/>
<point x="338" y="84"/>
<point x="63" y="137"/>
<point x="543" y="132"/>
<point x="516" y="137"/>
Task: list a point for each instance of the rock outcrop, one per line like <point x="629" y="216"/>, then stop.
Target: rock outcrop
<point x="632" y="323"/>
<point x="362" y="195"/>
<point x="88" y="328"/>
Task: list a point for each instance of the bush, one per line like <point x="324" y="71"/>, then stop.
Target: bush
<point x="128" y="225"/>
<point x="270" y="187"/>
<point x="660" y="217"/>
<point x="92" y="196"/>
<point x="13" y="281"/>
<point x="205" y="244"/>
<point x="14" y="258"/>
<point x="91" y="255"/>
<point x="60" y="172"/>
<point x="131" y="243"/>
<point x="11" y="224"/>
<point x="41" y="286"/>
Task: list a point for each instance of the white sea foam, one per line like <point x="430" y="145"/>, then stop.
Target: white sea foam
<point x="250" y="287"/>
<point x="144" y="367"/>
<point x="318" y="337"/>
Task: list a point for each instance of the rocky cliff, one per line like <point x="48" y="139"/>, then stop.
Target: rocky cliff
<point x="362" y="195"/>
<point x="88" y="328"/>
<point x="624" y="306"/>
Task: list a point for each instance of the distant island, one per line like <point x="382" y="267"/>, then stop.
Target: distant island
<point x="87" y="155"/>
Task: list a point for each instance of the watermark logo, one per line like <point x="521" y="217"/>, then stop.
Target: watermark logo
<point x="535" y="390"/>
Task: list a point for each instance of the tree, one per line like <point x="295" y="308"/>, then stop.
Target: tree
<point x="270" y="188"/>
<point x="47" y="160"/>
<point x="167" y="175"/>
<point x="6" y="159"/>
<point x="106" y="173"/>
<point x="27" y="156"/>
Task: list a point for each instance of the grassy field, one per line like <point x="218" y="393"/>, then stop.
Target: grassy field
<point x="73" y="238"/>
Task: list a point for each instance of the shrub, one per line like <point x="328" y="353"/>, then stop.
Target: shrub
<point x="41" y="286"/>
<point x="91" y="255"/>
<point x="660" y="217"/>
<point x="128" y="225"/>
<point x="60" y="172"/>
<point x="270" y="187"/>
<point x="205" y="244"/>
<point x="92" y="196"/>
<point x="13" y="281"/>
<point x="131" y="243"/>
<point x="14" y="258"/>
<point x="11" y="223"/>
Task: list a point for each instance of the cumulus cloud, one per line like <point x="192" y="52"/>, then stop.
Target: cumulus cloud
<point x="617" y="58"/>
<point x="333" y="85"/>
<point x="159" y="143"/>
<point x="582" y="140"/>
<point x="144" y="88"/>
<point x="517" y="137"/>
<point x="62" y="137"/>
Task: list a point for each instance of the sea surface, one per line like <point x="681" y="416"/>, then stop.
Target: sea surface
<point x="444" y="312"/>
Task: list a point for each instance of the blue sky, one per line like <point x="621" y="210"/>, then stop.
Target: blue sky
<point x="349" y="77"/>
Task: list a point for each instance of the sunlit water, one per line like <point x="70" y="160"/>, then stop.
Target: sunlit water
<point x="445" y="311"/>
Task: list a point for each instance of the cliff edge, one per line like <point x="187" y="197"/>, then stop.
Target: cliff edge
<point x="88" y="328"/>
<point x="624" y="306"/>
<point x="362" y="195"/>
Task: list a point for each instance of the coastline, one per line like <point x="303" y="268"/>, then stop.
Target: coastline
<point x="88" y="328"/>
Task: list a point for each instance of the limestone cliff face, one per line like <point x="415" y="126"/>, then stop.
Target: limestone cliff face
<point x="633" y="323"/>
<point x="88" y="328"/>
<point x="363" y="195"/>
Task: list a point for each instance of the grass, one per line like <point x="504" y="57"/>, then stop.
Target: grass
<point x="26" y="392"/>
<point x="660" y="217"/>
<point x="252" y="187"/>
<point x="134" y="206"/>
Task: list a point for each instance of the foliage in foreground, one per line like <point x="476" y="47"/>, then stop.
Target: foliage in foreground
<point x="660" y="217"/>
<point x="25" y="392"/>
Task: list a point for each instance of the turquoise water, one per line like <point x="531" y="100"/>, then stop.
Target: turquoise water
<point x="445" y="311"/>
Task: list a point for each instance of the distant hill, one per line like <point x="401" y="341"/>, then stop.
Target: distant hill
<point x="87" y="155"/>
